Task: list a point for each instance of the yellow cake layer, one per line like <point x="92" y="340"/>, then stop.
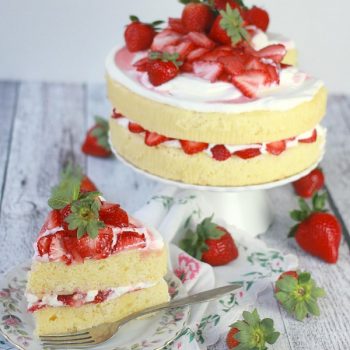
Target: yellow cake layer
<point x="201" y="169"/>
<point x="123" y="269"/>
<point x="227" y="128"/>
<point x="54" y="320"/>
<point x="291" y="57"/>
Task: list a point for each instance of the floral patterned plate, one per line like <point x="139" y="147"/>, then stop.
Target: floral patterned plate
<point x="17" y="325"/>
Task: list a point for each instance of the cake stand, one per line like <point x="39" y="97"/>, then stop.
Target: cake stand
<point x="246" y="207"/>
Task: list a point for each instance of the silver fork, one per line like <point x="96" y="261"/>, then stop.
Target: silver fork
<point x="97" y="335"/>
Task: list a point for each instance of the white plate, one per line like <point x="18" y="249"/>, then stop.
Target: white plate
<point x="17" y="325"/>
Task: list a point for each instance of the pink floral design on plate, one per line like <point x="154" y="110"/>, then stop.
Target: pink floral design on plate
<point x="188" y="268"/>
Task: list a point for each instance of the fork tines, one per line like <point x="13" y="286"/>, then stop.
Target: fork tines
<point x="77" y="339"/>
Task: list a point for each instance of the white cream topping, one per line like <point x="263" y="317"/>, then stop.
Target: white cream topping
<point x="262" y="39"/>
<point x="234" y="148"/>
<point x="190" y="92"/>
<point x="52" y="299"/>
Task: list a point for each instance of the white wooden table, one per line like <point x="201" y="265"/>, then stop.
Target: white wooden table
<point x="41" y="129"/>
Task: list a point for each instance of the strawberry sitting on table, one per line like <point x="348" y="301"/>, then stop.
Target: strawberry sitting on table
<point x="308" y="185"/>
<point x="297" y="292"/>
<point x="96" y="141"/>
<point x="318" y="232"/>
<point x="210" y="243"/>
<point x="251" y="333"/>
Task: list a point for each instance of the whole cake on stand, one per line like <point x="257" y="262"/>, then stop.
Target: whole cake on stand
<point x="216" y="102"/>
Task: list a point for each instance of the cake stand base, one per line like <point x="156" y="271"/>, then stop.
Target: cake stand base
<point x="249" y="211"/>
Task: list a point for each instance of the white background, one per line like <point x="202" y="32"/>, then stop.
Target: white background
<point x="67" y="40"/>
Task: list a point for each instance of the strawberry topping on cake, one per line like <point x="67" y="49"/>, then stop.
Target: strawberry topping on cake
<point x="82" y="225"/>
<point x="212" y="42"/>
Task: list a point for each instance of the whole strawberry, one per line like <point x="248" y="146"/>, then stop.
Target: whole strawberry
<point x="197" y="17"/>
<point x="297" y="292"/>
<point x="96" y="141"/>
<point x="251" y="333"/>
<point x="318" y="232"/>
<point x="210" y="243"/>
<point x="139" y="36"/>
<point x="308" y="185"/>
<point x="162" y="67"/>
<point x="258" y="17"/>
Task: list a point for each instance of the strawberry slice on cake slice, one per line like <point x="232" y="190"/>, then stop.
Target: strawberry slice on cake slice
<point x="93" y="262"/>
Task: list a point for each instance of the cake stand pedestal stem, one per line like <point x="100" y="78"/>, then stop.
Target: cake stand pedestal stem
<point x="248" y="210"/>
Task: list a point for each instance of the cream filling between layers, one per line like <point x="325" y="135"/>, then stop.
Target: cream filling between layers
<point x="193" y="93"/>
<point x="124" y="122"/>
<point x="85" y="297"/>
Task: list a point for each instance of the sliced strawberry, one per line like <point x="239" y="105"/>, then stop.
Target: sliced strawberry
<point x="154" y="139"/>
<point x="248" y="153"/>
<point x="43" y="244"/>
<point x="142" y="64"/>
<point x="101" y="296"/>
<point x="187" y="67"/>
<point x="36" y="307"/>
<point x="276" y="148"/>
<point x="87" y="185"/>
<point x="70" y="245"/>
<point x="310" y="139"/>
<point x="274" y="52"/>
<point x="201" y="40"/>
<point x="273" y="74"/>
<point x="116" y="115"/>
<point x="85" y="246"/>
<point x="56" y="248"/>
<point x="196" y="54"/>
<point x="73" y="300"/>
<point x="233" y="64"/>
<point x="135" y="128"/>
<point x="191" y="147"/>
<point x="104" y="242"/>
<point x="130" y="240"/>
<point x="113" y="214"/>
<point x="176" y="25"/>
<point x="53" y="220"/>
<point x="165" y="38"/>
<point x="220" y="153"/>
<point x="214" y="55"/>
<point x="250" y="82"/>
<point x="65" y="212"/>
<point x="207" y="70"/>
<point x="254" y="63"/>
<point x="183" y="49"/>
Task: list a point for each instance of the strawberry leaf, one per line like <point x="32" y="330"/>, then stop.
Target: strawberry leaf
<point x="134" y="18"/>
<point x="232" y="22"/>
<point x="101" y="131"/>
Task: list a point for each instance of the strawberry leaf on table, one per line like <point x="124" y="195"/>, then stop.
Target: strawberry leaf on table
<point x="84" y="215"/>
<point x="101" y="132"/>
<point x="232" y="22"/>
<point x="252" y="333"/>
<point x="298" y="294"/>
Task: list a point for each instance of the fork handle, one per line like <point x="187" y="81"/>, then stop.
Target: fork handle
<point x="190" y="300"/>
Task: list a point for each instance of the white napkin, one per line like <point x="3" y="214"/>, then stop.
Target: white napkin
<point x="173" y="212"/>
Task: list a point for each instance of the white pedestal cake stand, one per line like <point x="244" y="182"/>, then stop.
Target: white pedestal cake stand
<point x="246" y="207"/>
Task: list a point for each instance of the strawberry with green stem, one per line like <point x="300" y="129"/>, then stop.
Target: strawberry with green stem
<point x="162" y="67"/>
<point x="252" y="333"/>
<point x="317" y="232"/>
<point x="139" y="36"/>
<point x="298" y="293"/>
<point x="96" y="142"/>
<point x="210" y="243"/>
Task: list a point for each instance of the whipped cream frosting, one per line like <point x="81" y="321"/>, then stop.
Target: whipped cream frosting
<point x="197" y="94"/>
<point x="124" y="122"/>
<point x="86" y="297"/>
<point x="260" y="39"/>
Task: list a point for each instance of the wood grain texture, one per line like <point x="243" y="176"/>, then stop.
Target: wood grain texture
<point x="47" y="122"/>
<point x="8" y="103"/>
<point x="43" y="126"/>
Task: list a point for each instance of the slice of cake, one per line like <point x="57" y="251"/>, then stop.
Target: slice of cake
<point x="93" y="263"/>
<point x="217" y="106"/>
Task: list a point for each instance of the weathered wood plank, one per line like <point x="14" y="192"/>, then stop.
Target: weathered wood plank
<point x="48" y="124"/>
<point x="118" y="182"/>
<point x="8" y="101"/>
